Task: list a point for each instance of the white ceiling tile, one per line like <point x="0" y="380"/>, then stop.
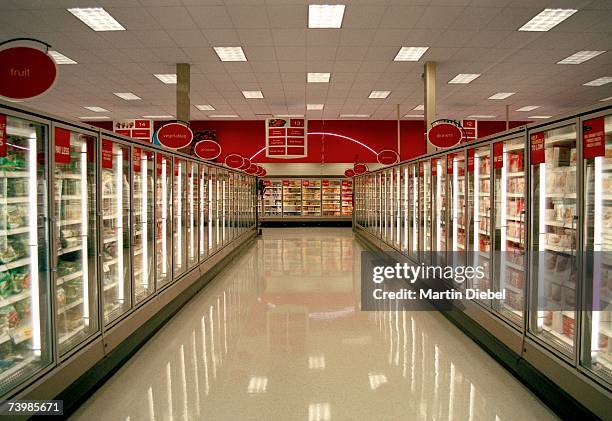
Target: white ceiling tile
<point x="401" y="17"/>
<point x="156" y="38"/>
<point x="255" y="37"/>
<point x="188" y="38"/>
<point x="292" y="66"/>
<point x="326" y="37"/>
<point x="172" y="17"/>
<point x="362" y="16"/>
<point x="439" y="17"/>
<point x="320" y="53"/>
<point x="289" y="36"/>
<point x="285" y="16"/>
<point x="264" y="66"/>
<point x="248" y="16"/>
<point x="210" y="17"/>
<point x="357" y="37"/>
<point x="287" y="53"/>
<point x="223" y="38"/>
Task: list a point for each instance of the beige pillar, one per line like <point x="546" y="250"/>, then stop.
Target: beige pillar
<point x="183" y="85"/>
<point x="507" y="116"/>
<point x="429" y="82"/>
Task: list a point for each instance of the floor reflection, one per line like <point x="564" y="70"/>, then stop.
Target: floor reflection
<point x="279" y="335"/>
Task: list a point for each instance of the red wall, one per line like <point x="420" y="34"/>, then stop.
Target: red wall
<point x="247" y="137"/>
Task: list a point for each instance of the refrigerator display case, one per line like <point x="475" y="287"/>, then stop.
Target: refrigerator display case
<point x="457" y="220"/>
<point x="273" y="198"/>
<point x="192" y="214"/>
<point x="163" y="220"/>
<point x="479" y="185"/>
<point x="115" y="226"/>
<point x="425" y="224"/>
<point x="74" y="193"/>
<point x="25" y="340"/>
<point x="330" y="197"/>
<point x="178" y="217"/>
<point x="404" y="207"/>
<point x="347" y="197"/>
<point x="203" y="212"/>
<point x="438" y="184"/>
<point x="144" y="227"/>
<point x="292" y="197"/>
<point x="311" y="197"/>
<point x="415" y="213"/>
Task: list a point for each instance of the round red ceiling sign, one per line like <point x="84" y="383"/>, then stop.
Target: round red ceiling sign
<point x="25" y="72"/>
<point x="387" y="157"/>
<point x="207" y="149"/>
<point x="252" y="169"/>
<point x="177" y="135"/>
<point x="360" y="168"/>
<point x="262" y="172"/>
<point x="246" y="163"/>
<point x="444" y="135"/>
<point x="234" y="160"/>
<point x="349" y="172"/>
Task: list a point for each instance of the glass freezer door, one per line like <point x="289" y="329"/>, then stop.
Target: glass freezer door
<point x="115" y="226"/>
<point x="413" y="192"/>
<point x="426" y="209"/>
<point x="438" y="171"/>
<point x="553" y="235"/>
<point x="403" y="206"/>
<point x="163" y="220"/>
<point x="144" y="228"/>
<point x="213" y="227"/>
<point x="76" y="287"/>
<point x="24" y="246"/>
<point x="203" y="212"/>
<point x="311" y="197"/>
<point x="457" y="221"/>
<point x="597" y="332"/>
<point x="480" y="191"/>
<point x="179" y="220"/>
<point x="192" y="214"/>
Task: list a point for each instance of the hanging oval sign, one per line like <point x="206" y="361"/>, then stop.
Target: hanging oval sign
<point x="234" y="160"/>
<point x="387" y="157"/>
<point x="26" y="72"/>
<point x="349" y="172"/>
<point x="246" y="163"/>
<point x="360" y="168"/>
<point x="262" y="172"/>
<point x="207" y="149"/>
<point x="177" y="136"/>
<point x="444" y="134"/>
<point x="252" y="169"/>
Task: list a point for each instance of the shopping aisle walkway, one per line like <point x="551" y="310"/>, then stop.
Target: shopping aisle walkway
<point x="279" y="336"/>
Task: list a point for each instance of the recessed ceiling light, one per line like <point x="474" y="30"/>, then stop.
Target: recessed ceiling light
<point x="354" y="115"/>
<point x="167" y="78"/>
<point x="205" y="107"/>
<point x="223" y="116"/>
<point x="580" y="57"/>
<point x="410" y="53"/>
<point x="413" y="116"/>
<point x="539" y="116"/>
<point x="289" y="115"/>
<point x="547" y="19"/>
<point x="606" y="99"/>
<point x="502" y="95"/>
<point x="59" y="58"/>
<point x="464" y="78"/>
<point x="379" y="94"/>
<point x="481" y="116"/>
<point x="312" y="107"/>
<point x="97" y="109"/>
<point x="96" y="18"/>
<point x="318" y="77"/>
<point x="94" y="117"/>
<point x="128" y="96"/>
<point x="600" y="81"/>
<point x="230" y="53"/>
<point x="325" y="15"/>
<point x="529" y="108"/>
<point x="257" y="384"/>
<point x="419" y="108"/>
<point x="158" y="117"/>
<point x="252" y="94"/>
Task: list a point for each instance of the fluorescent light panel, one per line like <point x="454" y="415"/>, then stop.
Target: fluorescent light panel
<point x="97" y="109"/>
<point x="580" y="57"/>
<point x="289" y="115"/>
<point x="167" y="78"/>
<point x="96" y="18"/>
<point x="419" y="108"/>
<point x="600" y="81"/>
<point x="94" y="117"/>
<point x="354" y="115"/>
<point x="464" y="78"/>
<point x="230" y="53"/>
<point x="318" y="77"/>
<point x="128" y="96"/>
<point x="325" y="15"/>
<point x="413" y="116"/>
<point x="314" y="107"/>
<point x="606" y="99"/>
<point x="223" y="116"/>
<point x="540" y="116"/>
<point x="481" y="116"/>
<point x="379" y="94"/>
<point x="205" y="107"/>
<point x="528" y="108"/>
<point x="410" y="53"/>
<point x="547" y="19"/>
<point x="158" y="117"/>
<point x="502" y="95"/>
<point x="59" y="58"/>
<point x="252" y="94"/>
<point x="257" y="384"/>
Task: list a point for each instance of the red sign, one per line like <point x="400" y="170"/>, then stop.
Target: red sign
<point x="296" y="122"/>
<point x="246" y="163"/>
<point x="470" y="133"/>
<point x="137" y="157"/>
<point x="175" y="136"/>
<point x="349" y="172"/>
<point x="285" y="183"/>
<point x="107" y="154"/>
<point x="123" y="132"/>
<point x="25" y="72"/>
<point x="62" y="146"/>
<point x="593" y="138"/>
<point x="207" y="149"/>
<point x="470" y="160"/>
<point x="444" y="135"/>
<point x="295" y="132"/>
<point x="252" y="169"/>
<point x="262" y="172"/>
<point x="295" y="141"/>
<point x="469" y="124"/>
<point x="325" y="183"/>
<point x="387" y="157"/>
<point x="2" y="135"/>
<point x="537" y="148"/>
<point x="276" y="132"/>
<point x="267" y="183"/>
<point x="141" y="134"/>
<point x="143" y="124"/>
<point x="276" y="141"/>
<point x="305" y="183"/>
<point x="234" y="160"/>
<point x="360" y="168"/>
<point x="276" y="150"/>
<point x="295" y="151"/>
<point x="498" y="155"/>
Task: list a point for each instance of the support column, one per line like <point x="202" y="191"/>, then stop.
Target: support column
<point x="183" y="85"/>
<point x="429" y="82"/>
<point x="507" y="116"/>
<point x="399" y="119"/>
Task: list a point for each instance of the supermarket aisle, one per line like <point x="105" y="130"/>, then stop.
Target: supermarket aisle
<point x="279" y="335"/>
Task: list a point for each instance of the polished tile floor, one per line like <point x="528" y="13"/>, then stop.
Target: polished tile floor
<point x="279" y="336"/>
